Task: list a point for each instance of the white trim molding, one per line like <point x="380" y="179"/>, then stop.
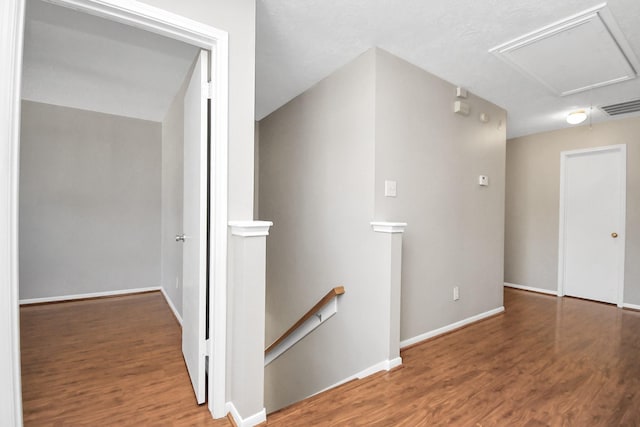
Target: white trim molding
<point x="120" y="292"/>
<point x="394" y="363"/>
<point x="171" y="306"/>
<point x="564" y="157"/>
<point x="218" y="208"/>
<point x="385" y="365"/>
<point x="159" y="21"/>
<point x="451" y="327"/>
<point x="531" y="289"/>
<point x="11" y="36"/>
<point x="148" y="18"/>
<point x="250" y="228"/>
<point x="631" y="306"/>
<point x="72" y="297"/>
<point x="250" y="421"/>
<point x="598" y="15"/>
<point x="388" y="227"/>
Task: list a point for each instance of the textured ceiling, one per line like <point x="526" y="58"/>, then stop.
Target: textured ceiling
<point x="81" y="61"/>
<point x="299" y="42"/>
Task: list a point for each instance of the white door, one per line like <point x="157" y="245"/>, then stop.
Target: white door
<point x="592" y="223"/>
<point x="194" y="276"/>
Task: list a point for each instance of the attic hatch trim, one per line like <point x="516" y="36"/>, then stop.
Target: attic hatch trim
<point x="600" y="13"/>
<point x="620" y="108"/>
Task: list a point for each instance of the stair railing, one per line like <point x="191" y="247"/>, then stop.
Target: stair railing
<point x="317" y="315"/>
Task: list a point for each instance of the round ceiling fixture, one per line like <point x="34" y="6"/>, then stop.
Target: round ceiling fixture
<point x="576" y="117"/>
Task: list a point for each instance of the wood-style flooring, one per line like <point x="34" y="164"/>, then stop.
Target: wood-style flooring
<point x="106" y="362"/>
<point x="546" y="361"/>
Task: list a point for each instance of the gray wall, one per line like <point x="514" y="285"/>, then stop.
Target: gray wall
<point x="316" y="185"/>
<point x="89" y="202"/>
<point x="456" y="227"/>
<point x="533" y="198"/>
<point x="323" y="161"/>
<point x="237" y="17"/>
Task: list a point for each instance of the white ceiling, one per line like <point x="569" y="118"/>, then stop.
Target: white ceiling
<point x="81" y="61"/>
<point x="299" y="42"/>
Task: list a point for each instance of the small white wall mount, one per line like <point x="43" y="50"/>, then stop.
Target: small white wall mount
<point x="322" y="315"/>
<point x="250" y="228"/>
<point x="483" y="180"/>
<point x="484" y="118"/>
<point x="388" y="227"/>
<point x="461" y="108"/>
<point x="390" y="188"/>
<point x="461" y="92"/>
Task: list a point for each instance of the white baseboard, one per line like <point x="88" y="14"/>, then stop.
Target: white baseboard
<point x="631" y="306"/>
<point x="394" y="363"/>
<point x="451" y="327"/>
<point x="385" y="365"/>
<point x="250" y="421"/>
<point x="171" y="306"/>
<point x="531" y="288"/>
<point x="89" y="295"/>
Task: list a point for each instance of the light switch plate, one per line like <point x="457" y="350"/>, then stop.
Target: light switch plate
<point x="390" y="188"/>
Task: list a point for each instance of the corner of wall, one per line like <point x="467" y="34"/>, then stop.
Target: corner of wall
<point x="435" y="158"/>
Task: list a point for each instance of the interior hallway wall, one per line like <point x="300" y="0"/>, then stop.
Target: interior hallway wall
<point x="316" y="185"/>
<point x="323" y="160"/>
<point x="89" y="202"/>
<point x="455" y="235"/>
<point x="533" y="202"/>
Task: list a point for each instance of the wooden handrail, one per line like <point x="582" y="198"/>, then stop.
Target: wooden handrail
<point x="339" y="290"/>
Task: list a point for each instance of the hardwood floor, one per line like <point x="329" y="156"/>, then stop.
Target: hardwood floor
<point x="546" y="361"/>
<point x="106" y="362"/>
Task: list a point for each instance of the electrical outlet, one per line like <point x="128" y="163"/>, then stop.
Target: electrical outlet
<point x="456" y="293"/>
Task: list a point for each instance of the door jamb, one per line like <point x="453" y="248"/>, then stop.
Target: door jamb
<point x="564" y="156"/>
<point x="174" y="26"/>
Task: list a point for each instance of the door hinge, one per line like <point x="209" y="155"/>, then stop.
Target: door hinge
<point x="206" y="347"/>
<point x="209" y="90"/>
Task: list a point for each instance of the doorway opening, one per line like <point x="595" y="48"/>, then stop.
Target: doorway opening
<point x="215" y="41"/>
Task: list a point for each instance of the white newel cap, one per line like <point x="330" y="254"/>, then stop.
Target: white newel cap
<point x="250" y="228"/>
<point x="389" y="227"/>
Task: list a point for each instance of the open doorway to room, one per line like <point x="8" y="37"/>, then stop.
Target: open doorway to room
<point x="104" y="187"/>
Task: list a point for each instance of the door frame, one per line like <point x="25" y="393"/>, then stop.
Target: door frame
<point x="161" y="22"/>
<point x="564" y="157"/>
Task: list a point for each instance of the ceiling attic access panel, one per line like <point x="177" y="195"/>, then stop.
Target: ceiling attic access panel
<point x="584" y="51"/>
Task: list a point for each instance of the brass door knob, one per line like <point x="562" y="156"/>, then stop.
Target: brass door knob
<point x="614" y="235"/>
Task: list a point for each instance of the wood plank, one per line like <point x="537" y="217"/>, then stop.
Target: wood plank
<point x="112" y="361"/>
<point x="546" y="361"/>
